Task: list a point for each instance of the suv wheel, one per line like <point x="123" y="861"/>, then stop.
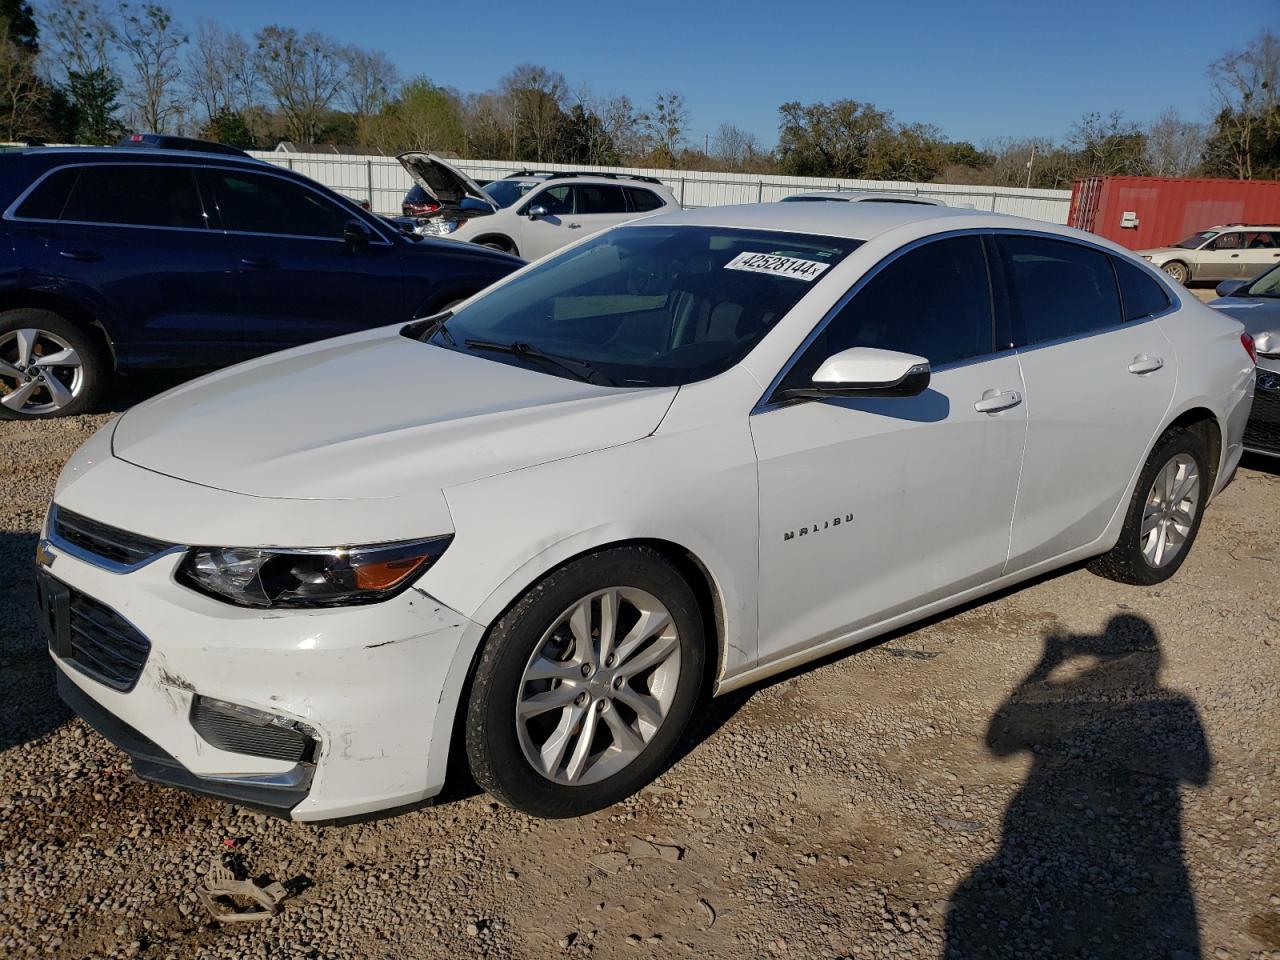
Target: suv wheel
<point x="1178" y="271"/>
<point x="1164" y="515"/>
<point x="49" y="366"/>
<point x="585" y="686"/>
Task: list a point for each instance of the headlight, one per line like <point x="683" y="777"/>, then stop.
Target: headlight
<point x="310" y="577"/>
<point x="438" y="228"/>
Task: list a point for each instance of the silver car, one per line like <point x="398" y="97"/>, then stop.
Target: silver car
<point x="1256" y="304"/>
<point x="1232" y="251"/>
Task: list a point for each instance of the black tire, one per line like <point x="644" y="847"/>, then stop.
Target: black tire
<point x="1178" y="271"/>
<point x="1125" y="562"/>
<point x="95" y="366"/>
<point x="496" y="758"/>
<point x="497" y="243"/>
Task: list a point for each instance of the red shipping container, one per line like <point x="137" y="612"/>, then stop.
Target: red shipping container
<point x="1145" y="212"/>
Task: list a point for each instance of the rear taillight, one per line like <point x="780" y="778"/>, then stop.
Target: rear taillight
<point x="1246" y="341"/>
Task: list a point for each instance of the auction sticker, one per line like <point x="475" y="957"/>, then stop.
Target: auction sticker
<point x="779" y="266"/>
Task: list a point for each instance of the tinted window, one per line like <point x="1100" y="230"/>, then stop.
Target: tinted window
<point x="594" y="198"/>
<point x="1227" y="241"/>
<point x="156" y="196"/>
<point x="933" y="301"/>
<point x="1142" y="295"/>
<point x="642" y="201"/>
<point x="45" y="202"/>
<point x="1058" y="289"/>
<point x="650" y="305"/>
<point x="254" y="203"/>
<point x="558" y="201"/>
<point x="1259" y="241"/>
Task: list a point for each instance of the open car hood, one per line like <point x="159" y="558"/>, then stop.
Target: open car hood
<point x="443" y="181"/>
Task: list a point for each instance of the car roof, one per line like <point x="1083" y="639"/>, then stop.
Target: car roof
<point x="864" y="196"/>
<point x="1241" y="226"/>
<point x="856" y="221"/>
<point x="126" y="154"/>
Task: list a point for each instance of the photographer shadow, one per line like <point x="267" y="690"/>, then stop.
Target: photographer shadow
<point x="1091" y="859"/>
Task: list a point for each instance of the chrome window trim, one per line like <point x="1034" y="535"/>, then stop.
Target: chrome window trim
<point x="10" y="211"/>
<point x="764" y="405"/>
<point x="96" y="560"/>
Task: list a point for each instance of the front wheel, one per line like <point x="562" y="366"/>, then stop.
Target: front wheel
<point x="586" y="684"/>
<point x="1178" y="271"/>
<point x="1164" y="515"/>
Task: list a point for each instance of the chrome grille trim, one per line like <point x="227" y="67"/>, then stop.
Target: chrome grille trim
<point x="102" y="545"/>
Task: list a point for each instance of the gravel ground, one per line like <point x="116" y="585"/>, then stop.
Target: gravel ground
<point x="1076" y="769"/>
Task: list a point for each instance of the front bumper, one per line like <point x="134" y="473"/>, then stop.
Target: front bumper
<point x="377" y="684"/>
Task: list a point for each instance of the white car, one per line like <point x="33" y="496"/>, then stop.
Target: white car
<point x="531" y="214"/>
<point x="860" y="196"/>
<point x="682" y="455"/>
<point x="1231" y="251"/>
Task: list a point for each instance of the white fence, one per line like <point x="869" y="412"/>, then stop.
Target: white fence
<point x="382" y="182"/>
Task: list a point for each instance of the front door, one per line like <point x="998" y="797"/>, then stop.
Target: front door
<point x="1098" y="386"/>
<point x="1219" y="259"/>
<point x="573" y="211"/>
<point x="298" y="280"/>
<point x="871" y="508"/>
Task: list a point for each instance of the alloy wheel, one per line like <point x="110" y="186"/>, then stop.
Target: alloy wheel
<point x="40" y="373"/>
<point x="1170" y="511"/>
<point x="598" y="686"/>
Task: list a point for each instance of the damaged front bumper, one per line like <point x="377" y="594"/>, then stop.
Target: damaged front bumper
<point x="324" y="713"/>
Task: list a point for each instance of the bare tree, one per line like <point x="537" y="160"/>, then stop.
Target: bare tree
<point x="735" y="147"/>
<point x="151" y="43"/>
<point x="303" y="74"/>
<point x="536" y="97"/>
<point x="1245" y="84"/>
<point x="1174" y="145"/>
<point x="22" y="95"/>
<point x="666" y="125"/>
<point x="370" y="82"/>
<point x="78" y="38"/>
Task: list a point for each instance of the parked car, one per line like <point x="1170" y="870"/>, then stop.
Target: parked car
<point x="530" y="214"/>
<point x="706" y="447"/>
<point x="858" y="196"/>
<point x="147" y="258"/>
<point x="1226" y="252"/>
<point x="419" y="203"/>
<point x="1256" y="304"/>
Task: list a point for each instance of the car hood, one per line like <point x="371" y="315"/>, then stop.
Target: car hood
<point x="375" y="415"/>
<point x="442" y="181"/>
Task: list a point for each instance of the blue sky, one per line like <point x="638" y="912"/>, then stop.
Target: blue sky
<point x="976" y="68"/>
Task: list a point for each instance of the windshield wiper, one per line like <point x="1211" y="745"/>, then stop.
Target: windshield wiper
<point x="579" y="368"/>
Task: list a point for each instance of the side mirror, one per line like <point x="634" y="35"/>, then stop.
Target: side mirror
<point x="538" y="212"/>
<point x="356" y="236"/>
<point x="1229" y="288"/>
<point x="1267" y="343"/>
<point x="866" y="372"/>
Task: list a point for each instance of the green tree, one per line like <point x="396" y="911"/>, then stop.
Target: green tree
<point x="422" y="116"/>
<point x="843" y="138"/>
<point x="18" y="22"/>
<point x="228" y="127"/>
<point x="583" y="139"/>
<point x="94" y="94"/>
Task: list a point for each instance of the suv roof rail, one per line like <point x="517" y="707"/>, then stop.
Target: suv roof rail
<point x="561" y="174"/>
<point x="160" y="141"/>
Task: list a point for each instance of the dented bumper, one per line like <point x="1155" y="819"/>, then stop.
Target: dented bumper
<point x="374" y="686"/>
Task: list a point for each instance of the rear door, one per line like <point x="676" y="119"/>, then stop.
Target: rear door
<point x="133" y="239"/>
<point x="1099" y="377"/>
<point x="297" y="279"/>
<point x="1259" y="253"/>
<point x="1219" y="259"/>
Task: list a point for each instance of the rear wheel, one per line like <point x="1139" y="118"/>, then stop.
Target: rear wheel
<point x="585" y="686"/>
<point x="49" y="366"/>
<point x="1178" y="270"/>
<point x="1164" y="515"/>
<point x="498" y="243"/>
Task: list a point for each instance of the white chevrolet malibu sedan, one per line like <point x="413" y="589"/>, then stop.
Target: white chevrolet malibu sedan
<point x="678" y="457"/>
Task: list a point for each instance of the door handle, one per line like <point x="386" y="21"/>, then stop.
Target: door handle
<point x="1234" y="255"/>
<point x="993" y="401"/>
<point x="259" y="263"/>
<point x="80" y="256"/>
<point x="1144" y="364"/>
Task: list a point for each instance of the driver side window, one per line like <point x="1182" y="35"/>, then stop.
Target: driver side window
<point x="557" y="200"/>
<point x="1227" y="241"/>
<point x="933" y="301"/>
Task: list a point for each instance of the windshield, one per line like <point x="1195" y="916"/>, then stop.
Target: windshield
<point x="1196" y="240"/>
<point x="507" y="192"/>
<point x="1267" y="285"/>
<point x="648" y="305"/>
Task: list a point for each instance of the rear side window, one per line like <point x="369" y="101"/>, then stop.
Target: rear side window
<point x="1058" y="289"/>
<point x="642" y="201"/>
<point x="933" y="301"/>
<point x="254" y="203"/>
<point x="1142" y="295"/>
<point x="595" y="198"/>
<point x="46" y="201"/>
<point x="142" y="196"/>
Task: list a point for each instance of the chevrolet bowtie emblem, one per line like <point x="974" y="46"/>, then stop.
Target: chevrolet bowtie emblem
<point x="44" y="556"/>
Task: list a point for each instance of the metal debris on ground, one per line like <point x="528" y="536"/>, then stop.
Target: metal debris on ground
<point x="224" y="896"/>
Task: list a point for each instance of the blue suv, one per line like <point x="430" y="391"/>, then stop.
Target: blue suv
<point x="142" y="258"/>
